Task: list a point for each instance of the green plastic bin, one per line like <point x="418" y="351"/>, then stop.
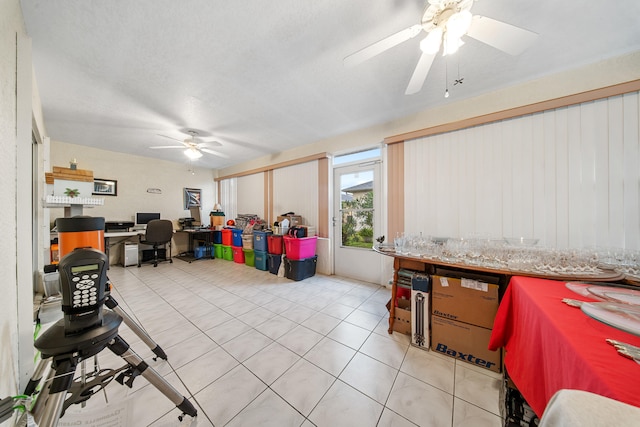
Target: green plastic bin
<point x="249" y="258"/>
<point x="217" y="250"/>
<point x="227" y="252"/>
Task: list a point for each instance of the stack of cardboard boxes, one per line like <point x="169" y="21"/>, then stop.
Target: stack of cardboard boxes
<point x="463" y="311"/>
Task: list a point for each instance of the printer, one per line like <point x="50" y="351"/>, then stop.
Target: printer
<point x="188" y="223"/>
<point x="111" y="226"/>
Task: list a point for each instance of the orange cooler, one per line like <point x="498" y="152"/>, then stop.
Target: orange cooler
<point x="80" y="232"/>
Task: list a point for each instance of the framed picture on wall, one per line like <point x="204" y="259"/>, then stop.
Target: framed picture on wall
<point x="105" y="187"/>
<point x="191" y="197"/>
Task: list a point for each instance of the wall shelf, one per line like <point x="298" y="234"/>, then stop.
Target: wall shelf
<point x="61" y="201"/>
<point x="73" y="206"/>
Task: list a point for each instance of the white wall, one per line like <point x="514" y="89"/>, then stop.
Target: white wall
<point x="16" y="269"/>
<point x="570" y="177"/>
<point x="135" y="175"/>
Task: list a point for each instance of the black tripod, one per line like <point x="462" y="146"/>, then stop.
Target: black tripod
<point x="84" y="332"/>
<point x="112" y="304"/>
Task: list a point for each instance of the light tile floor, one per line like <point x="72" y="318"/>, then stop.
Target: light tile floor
<point x="249" y="348"/>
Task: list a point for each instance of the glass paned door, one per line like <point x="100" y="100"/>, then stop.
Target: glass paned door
<point x="356" y="221"/>
<point x="356" y="209"/>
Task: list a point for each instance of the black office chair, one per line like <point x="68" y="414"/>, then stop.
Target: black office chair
<point x="158" y="234"/>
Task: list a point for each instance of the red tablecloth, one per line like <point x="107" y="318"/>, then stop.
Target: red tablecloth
<point x="551" y="346"/>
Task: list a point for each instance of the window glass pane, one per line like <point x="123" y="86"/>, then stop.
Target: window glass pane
<point x="356" y="201"/>
<point x="355" y="157"/>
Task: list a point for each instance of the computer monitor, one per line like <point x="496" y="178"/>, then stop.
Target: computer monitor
<point x="145" y="217"/>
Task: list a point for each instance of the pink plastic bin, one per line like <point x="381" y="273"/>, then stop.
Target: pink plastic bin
<point x="300" y="248"/>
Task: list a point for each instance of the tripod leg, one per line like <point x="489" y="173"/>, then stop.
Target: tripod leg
<point x="41" y="397"/>
<point x="112" y="304"/>
<point x="36" y="377"/>
<point x="121" y="348"/>
<point x="61" y="383"/>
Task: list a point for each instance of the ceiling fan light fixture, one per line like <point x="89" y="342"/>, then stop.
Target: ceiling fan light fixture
<point x="192" y="153"/>
<point x="451" y="44"/>
<point x="431" y="43"/>
<point x="458" y="24"/>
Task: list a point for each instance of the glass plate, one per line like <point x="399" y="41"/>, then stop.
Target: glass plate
<point x="621" y="316"/>
<point x="583" y="290"/>
<point x="623" y="295"/>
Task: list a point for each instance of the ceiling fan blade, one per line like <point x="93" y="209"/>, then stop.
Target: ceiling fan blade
<point x="215" y="153"/>
<point x="506" y="37"/>
<point x="420" y="73"/>
<point x="175" y="139"/>
<point x="210" y="143"/>
<point x="159" y="147"/>
<point x="165" y="136"/>
<point x="382" y="45"/>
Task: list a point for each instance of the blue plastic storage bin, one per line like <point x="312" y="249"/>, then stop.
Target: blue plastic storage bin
<point x="217" y="237"/>
<point x="200" y="252"/>
<point x="236" y="239"/>
<point x="260" y="240"/>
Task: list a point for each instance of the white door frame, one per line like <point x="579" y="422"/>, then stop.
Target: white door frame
<point x="357" y="263"/>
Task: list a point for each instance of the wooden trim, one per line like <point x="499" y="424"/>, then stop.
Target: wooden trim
<point x="268" y="200"/>
<point x="266" y="196"/>
<point x="537" y="107"/>
<point x="322" y="227"/>
<point x="293" y="162"/>
<point x="395" y="190"/>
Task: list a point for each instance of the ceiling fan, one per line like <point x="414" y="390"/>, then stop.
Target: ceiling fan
<point x="445" y="22"/>
<point x="193" y="149"/>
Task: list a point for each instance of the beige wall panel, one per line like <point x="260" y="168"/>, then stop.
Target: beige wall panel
<point x="295" y="189"/>
<point x="251" y="194"/>
<point x="569" y="177"/>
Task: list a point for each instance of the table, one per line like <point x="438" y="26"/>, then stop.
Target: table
<point x="551" y="346"/>
<point x="204" y="234"/>
<point x="429" y="265"/>
<point x="125" y="235"/>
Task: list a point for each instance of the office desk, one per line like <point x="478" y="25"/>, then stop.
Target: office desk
<point x="124" y="236"/>
<point x="199" y="234"/>
<point x="551" y="346"/>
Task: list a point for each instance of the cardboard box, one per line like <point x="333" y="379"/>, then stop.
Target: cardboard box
<point x="402" y="318"/>
<point x="463" y="341"/>
<point x="293" y="219"/>
<point x="420" y="311"/>
<point x="465" y="300"/>
<point x="310" y="230"/>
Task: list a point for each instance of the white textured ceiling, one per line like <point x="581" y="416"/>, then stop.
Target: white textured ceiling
<point x="263" y="76"/>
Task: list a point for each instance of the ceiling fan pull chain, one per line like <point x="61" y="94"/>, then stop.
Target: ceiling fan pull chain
<point x="446" y="77"/>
